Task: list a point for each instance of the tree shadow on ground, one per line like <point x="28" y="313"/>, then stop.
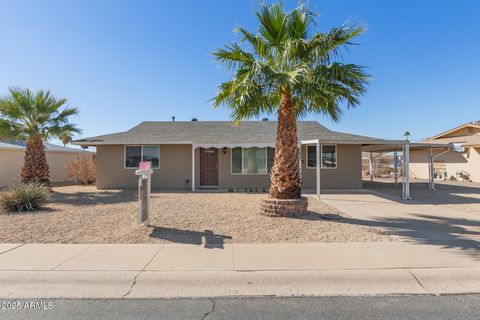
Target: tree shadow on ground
<point x="314" y="216"/>
<point x="449" y="233"/>
<point x="445" y="193"/>
<point x="207" y="237"/>
<point x="95" y="197"/>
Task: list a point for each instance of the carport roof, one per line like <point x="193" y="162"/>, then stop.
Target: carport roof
<point x="222" y="132"/>
<point x="398" y="146"/>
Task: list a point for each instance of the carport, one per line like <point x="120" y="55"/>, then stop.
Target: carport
<point x="389" y="146"/>
<point x="405" y="149"/>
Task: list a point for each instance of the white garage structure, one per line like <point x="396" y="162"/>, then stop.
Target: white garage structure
<point x="12" y="156"/>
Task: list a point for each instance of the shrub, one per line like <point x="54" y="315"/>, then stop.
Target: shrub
<point x="81" y="170"/>
<point x="24" y="197"/>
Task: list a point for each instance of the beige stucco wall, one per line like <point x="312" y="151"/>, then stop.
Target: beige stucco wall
<point x="454" y="161"/>
<point x="175" y="168"/>
<point x="11" y="162"/>
<point x="176" y="165"/>
<point x="348" y="173"/>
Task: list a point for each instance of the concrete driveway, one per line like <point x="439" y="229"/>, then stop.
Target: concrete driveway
<point x="411" y="220"/>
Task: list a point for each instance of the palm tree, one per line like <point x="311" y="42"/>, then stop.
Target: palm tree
<point x="35" y="118"/>
<point x="407" y="135"/>
<point x="286" y="69"/>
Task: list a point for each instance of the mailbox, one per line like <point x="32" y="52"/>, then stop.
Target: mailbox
<point x="144" y="174"/>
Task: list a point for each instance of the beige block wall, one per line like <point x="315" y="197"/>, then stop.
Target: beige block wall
<point x="176" y="168"/>
<point x="454" y="161"/>
<point x="11" y="162"/>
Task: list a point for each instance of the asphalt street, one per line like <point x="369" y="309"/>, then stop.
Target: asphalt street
<point x="400" y="307"/>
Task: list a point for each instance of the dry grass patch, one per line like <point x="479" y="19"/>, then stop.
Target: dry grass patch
<point x="82" y="214"/>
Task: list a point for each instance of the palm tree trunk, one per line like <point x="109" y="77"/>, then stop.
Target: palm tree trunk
<point x="285" y="178"/>
<point x="35" y="167"/>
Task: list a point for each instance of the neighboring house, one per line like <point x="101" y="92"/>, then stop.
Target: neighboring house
<point x="382" y="164"/>
<point x="12" y="154"/>
<point x="224" y="156"/>
<point x="463" y="156"/>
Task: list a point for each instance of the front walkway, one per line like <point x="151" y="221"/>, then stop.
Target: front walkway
<point x="411" y="220"/>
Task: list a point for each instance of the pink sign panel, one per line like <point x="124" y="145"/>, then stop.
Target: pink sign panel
<point x="145" y="165"/>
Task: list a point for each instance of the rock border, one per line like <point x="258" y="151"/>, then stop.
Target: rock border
<point x="284" y="207"/>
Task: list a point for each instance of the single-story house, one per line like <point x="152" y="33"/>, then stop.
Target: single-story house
<point x="462" y="157"/>
<point x="218" y="154"/>
<point x="12" y="154"/>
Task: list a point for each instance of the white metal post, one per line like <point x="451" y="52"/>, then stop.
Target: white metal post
<point x="395" y="166"/>
<point x="318" y="169"/>
<point x="432" y="168"/>
<point x="193" y="168"/>
<point x="429" y="157"/>
<point x="403" y="172"/>
<point x="371" y="166"/>
<point x="407" y="171"/>
<point x="300" y="159"/>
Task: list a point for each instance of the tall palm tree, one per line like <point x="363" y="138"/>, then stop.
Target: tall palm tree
<point x="287" y="69"/>
<point x="35" y="117"/>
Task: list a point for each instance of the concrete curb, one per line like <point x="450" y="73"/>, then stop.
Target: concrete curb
<point x="189" y="284"/>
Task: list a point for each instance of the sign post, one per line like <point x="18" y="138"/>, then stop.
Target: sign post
<point x="144" y="174"/>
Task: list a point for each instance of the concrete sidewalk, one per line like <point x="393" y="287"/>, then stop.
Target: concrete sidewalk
<point x="178" y="270"/>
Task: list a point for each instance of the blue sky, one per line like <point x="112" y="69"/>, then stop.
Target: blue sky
<point x="122" y="62"/>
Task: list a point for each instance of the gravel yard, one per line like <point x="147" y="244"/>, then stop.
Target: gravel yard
<point x="82" y="214"/>
<point x="459" y="195"/>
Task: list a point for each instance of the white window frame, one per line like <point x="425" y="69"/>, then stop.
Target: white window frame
<point x="141" y="154"/>
<point x="321" y="156"/>
<point x="246" y="174"/>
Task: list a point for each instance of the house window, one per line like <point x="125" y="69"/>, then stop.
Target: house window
<point x="328" y="156"/>
<point x="135" y="154"/>
<point x="252" y="160"/>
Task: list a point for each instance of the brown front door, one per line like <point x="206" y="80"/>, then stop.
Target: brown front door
<point x="208" y="167"/>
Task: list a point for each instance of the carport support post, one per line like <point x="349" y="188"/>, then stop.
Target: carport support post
<point x="300" y="160"/>
<point x="371" y="166"/>
<point x="432" y="169"/>
<point x="193" y="168"/>
<point x="403" y="171"/>
<point x="407" y="171"/>
<point x="395" y="166"/>
<point x="318" y="169"/>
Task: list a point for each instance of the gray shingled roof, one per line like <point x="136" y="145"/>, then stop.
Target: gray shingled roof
<point x="219" y="132"/>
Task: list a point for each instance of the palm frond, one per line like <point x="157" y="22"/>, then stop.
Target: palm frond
<point x="284" y="55"/>
<point x="24" y="114"/>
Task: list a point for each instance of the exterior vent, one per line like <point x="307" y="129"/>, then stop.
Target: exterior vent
<point x="265" y="119"/>
<point x="194" y="119"/>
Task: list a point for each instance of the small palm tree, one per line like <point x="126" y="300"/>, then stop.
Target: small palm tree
<point x="35" y="118"/>
<point x="286" y="69"/>
<point x="407" y="135"/>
